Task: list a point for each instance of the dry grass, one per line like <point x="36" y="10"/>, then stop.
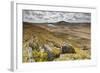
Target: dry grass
<point x="36" y="35"/>
<point x="79" y="55"/>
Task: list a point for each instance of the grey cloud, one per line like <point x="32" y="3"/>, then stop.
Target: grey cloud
<point x="53" y="16"/>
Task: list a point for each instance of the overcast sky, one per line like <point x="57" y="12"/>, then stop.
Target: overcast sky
<point x="54" y="16"/>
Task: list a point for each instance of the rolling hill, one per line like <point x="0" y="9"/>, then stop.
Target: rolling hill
<point x="54" y="35"/>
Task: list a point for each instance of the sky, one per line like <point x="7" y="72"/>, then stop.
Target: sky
<point x="36" y="16"/>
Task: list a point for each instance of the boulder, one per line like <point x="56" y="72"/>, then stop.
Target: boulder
<point x="50" y="56"/>
<point x="67" y="49"/>
<point x="53" y="52"/>
<point x="49" y="52"/>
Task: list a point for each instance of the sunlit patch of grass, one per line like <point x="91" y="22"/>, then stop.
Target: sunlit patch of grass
<point x="83" y="54"/>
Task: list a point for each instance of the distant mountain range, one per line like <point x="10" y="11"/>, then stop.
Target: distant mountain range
<point x="71" y="24"/>
<point x="61" y="23"/>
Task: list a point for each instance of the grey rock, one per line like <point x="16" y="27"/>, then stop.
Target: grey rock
<point x="66" y="48"/>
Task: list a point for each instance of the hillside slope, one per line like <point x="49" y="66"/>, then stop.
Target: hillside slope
<point x="42" y="34"/>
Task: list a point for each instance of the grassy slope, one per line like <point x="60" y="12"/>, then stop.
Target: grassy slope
<point x="44" y="36"/>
